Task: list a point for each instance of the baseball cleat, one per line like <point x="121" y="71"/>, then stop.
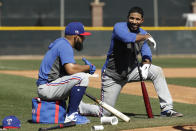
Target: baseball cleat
<point x="171" y="113"/>
<point x="77" y="118"/>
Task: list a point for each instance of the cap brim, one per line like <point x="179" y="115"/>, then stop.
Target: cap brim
<point x="86" y="33"/>
<point x="10" y="127"/>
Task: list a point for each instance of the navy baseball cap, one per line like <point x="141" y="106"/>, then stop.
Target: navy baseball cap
<point x="11" y="122"/>
<point x="75" y="28"/>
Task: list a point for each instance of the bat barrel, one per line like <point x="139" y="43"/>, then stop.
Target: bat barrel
<point x="146" y="101"/>
<point x="109" y="108"/>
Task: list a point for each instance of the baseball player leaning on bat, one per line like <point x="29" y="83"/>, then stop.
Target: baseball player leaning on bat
<point x="59" y="75"/>
<point x="120" y="66"/>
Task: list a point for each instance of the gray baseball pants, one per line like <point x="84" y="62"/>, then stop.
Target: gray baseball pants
<point x="111" y="89"/>
<point x="60" y="88"/>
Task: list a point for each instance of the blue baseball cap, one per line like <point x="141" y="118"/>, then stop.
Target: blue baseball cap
<point x="11" y="122"/>
<point x="75" y="28"/>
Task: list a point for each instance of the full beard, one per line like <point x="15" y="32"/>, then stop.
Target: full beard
<point x="78" y="46"/>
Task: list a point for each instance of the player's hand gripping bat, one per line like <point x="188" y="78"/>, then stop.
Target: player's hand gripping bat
<point x="143" y="86"/>
<point x="109" y="108"/>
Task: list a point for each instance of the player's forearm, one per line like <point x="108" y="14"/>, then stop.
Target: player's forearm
<point x="140" y="37"/>
<point x="76" y="68"/>
<point x="146" y="53"/>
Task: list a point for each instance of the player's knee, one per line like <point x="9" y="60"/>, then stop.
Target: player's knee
<point x="159" y="71"/>
<point x="84" y="79"/>
<point x="155" y="72"/>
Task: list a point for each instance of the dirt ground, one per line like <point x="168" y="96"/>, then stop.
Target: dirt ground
<point x="167" y="128"/>
<point x="135" y="89"/>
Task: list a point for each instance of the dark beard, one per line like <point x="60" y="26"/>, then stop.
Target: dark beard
<point x="78" y="46"/>
<point x="130" y="28"/>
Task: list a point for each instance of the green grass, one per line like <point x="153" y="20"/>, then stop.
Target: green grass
<point x="16" y="94"/>
<point x="159" y="61"/>
<point x="19" y="64"/>
<point x="174" y="62"/>
<point x="34" y="64"/>
<point x="190" y="82"/>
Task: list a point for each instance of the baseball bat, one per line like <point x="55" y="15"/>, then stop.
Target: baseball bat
<point x="64" y="125"/>
<point x="146" y="100"/>
<point x="144" y="91"/>
<point x="109" y="108"/>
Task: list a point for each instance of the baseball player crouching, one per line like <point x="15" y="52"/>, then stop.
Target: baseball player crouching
<point x="59" y="75"/>
<point x="121" y="68"/>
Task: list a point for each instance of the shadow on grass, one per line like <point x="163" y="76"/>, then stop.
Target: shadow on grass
<point x="138" y="115"/>
<point x="31" y="122"/>
<point x="184" y="128"/>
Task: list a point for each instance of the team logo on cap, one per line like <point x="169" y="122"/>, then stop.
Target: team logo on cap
<point x="9" y="121"/>
<point x="77" y="32"/>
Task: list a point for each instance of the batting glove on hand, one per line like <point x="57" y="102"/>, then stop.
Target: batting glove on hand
<point x="92" y="67"/>
<point x="144" y="70"/>
<point x="151" y="41"/>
